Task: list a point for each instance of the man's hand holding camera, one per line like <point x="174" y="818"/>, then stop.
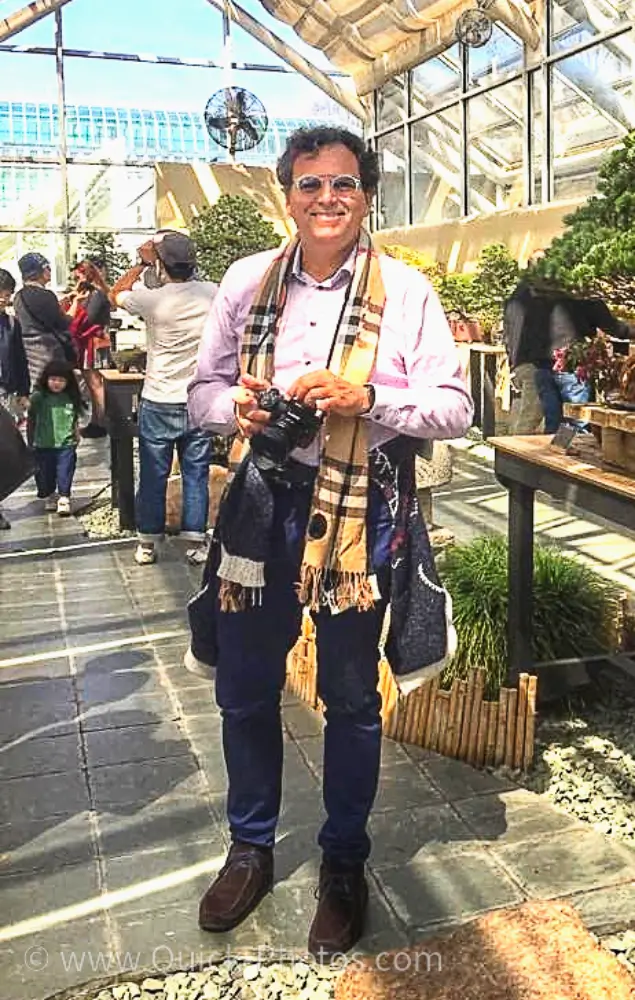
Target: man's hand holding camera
<point x="320" y="389"/>
<point x="331" y="394"/>
<point x="249" y="418"/>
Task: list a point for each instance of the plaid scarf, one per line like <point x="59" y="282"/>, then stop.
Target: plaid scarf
<point x="334" y="568"/>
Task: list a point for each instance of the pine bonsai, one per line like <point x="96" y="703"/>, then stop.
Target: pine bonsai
<point x="103" y="247"/>
<point x="228" y="230"/>
<point x="596" y="253"/>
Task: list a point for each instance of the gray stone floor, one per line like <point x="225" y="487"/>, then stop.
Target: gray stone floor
<point x="112" y="789"/>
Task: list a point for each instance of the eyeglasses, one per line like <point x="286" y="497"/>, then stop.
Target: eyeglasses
<point x="341" y="184"/>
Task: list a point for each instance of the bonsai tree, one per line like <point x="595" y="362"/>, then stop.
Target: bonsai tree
<point x="103" y="246"/>
<point x="497" y="275"/>
<point x="596" y="253"/>
<point x="228" y="230"/>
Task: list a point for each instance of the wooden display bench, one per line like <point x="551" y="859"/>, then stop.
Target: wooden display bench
<point x="617" y="432"/>
<point x="457" y="723"/>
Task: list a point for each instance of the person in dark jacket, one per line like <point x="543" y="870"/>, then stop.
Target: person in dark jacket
<point x="14" y="370"/>
<point x="526" y="336"/>
<point x="46" y="328"/>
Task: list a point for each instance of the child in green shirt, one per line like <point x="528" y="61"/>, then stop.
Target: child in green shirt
<point x="52" y="429"/>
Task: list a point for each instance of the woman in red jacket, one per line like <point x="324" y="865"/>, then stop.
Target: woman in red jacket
<point x="90" y="335"/>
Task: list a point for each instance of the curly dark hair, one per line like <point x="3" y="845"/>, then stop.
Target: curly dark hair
<point x="312" y="140"/>
<point x="62" y="369"/>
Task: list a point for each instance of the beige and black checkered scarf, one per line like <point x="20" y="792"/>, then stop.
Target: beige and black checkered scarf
<point x="335" y="565"/>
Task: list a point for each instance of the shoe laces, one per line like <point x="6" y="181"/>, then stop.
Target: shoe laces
<point x="339" y="884"/>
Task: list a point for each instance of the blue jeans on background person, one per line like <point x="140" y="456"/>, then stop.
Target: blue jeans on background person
<point x="549" y="395"/>
<point x="54" y="470"/>
<point x="162" y="427"/>
<point x="571" y="390"/>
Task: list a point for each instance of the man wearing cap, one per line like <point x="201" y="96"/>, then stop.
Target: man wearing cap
<point x="174" y="313"/>
<point x="46" y="328"/>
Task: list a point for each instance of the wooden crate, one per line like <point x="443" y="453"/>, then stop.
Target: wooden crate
<point x="617" y="431"/>
<point x="457" y="723"/>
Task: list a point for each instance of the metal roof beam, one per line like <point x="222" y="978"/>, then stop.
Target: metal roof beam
<point x="289" y="55"/>
<point x="24" y="18"/>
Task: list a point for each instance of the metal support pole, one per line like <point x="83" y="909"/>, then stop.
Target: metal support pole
<point x="63" y="146"/>
<point x="520" y="579"/>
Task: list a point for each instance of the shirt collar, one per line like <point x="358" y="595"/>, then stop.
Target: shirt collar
<point x="341" y="276"/>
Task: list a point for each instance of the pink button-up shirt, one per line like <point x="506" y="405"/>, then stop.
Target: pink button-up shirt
<point x="419" y="388"/>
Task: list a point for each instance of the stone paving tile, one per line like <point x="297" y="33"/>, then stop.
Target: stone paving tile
<point x="446" y="887"/>
<point x="513" y="816"/>
<point x="134" y="710"/>
<point x="27" y="895"/>
<point x="607" y="910"/>
<point x="403" y="787"/>
<point x="139" y="873"/>
<point x="415" y="834"/>
<point x="172" y="819"/>
<point x="136" y="743"/>
<point x="142" y="782"/>
<point x="456" y="780"/>
<point x="43" y="756"/>
<point x="29" y="846"/>
<point x="567" y="862"/>
<point x="55" y="959"/>
<point x="23" y="799"/>
<point x="108" y="687"/>
<point x="300" y="721"/>
<point x="195" y="702"/>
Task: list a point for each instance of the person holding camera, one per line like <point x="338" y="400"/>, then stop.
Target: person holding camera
<point x="174" y="312"/>
<point x="90" y="336"/>
<point x="321" y="512"/>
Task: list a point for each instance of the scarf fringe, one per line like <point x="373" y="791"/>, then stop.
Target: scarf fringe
<point x="235" y="597"/>
<point x="351" y="590"/>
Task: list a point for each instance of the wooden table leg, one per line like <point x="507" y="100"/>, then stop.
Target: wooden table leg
<point x="520" y="578"/>
<point x="125" y="479"/>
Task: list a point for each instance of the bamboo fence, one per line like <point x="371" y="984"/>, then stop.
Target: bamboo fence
<point x="457" y="723"/>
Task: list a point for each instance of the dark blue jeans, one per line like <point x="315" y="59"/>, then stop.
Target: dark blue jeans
<point x="251" y="667"/>
<point x="162" y="428"/>
<point x="54" y="470"/>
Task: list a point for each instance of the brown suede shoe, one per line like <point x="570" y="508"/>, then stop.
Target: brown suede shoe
<point x="244" y="879"/>
<point x="339" y="920"/>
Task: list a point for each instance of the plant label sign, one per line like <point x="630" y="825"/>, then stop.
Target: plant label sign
<point x="563" y="438"/>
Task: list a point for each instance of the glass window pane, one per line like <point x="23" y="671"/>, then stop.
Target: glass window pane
<point x="502" y="55"/>
<point x="574" y="22"/>
<point x="392" y="185"/>
<point x="435" y="81"/>
<point x="436" y="167"/>
<point x="592" y="110"/>
<point x="391" y="102"/>
<point x="496" y="148"/>
<point x="111" y="196"/>
<point x="537" y="137"/>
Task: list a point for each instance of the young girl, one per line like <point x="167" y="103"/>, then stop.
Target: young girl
<point x="52" y="429"/>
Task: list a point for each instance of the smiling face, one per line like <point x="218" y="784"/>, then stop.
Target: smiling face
<point x="326" y="221"/>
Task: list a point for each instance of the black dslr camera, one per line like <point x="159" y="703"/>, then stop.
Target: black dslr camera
<point x="292" y="425"/>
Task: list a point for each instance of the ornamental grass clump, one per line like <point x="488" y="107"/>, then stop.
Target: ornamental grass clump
<point x="575" y="610"/>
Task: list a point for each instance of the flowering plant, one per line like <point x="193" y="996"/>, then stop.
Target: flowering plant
<point x="591" y="360"/>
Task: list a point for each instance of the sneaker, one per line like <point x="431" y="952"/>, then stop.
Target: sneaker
<point x="4" y="524"/>
<point x="198" y="667"/>
<point x="198" y="555"/>
<point x="64" y="506"/>
<point x="50" y="502"/>
<point x="145" y="554"/>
